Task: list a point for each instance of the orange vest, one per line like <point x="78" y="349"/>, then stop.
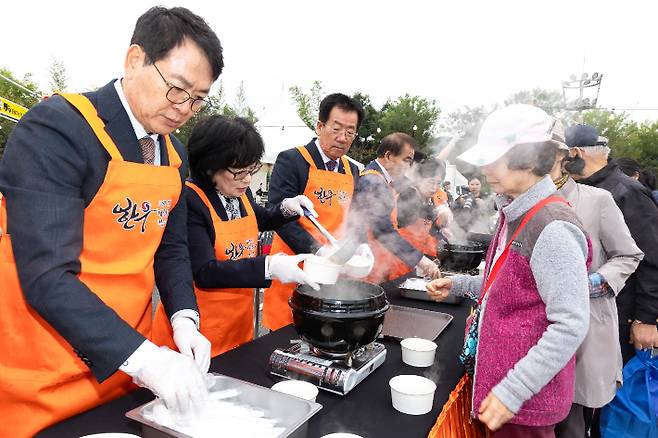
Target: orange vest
<point x="227" y="315"/>
<point x="331" y="193"/>
<point x="440" y="197"/>
<point x="42" y="381"/>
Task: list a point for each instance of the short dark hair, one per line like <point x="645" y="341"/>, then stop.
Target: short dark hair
<point x="219" y="142"/>
<point x="628" y="165"/>
<point x="159" y="30"/>
<point x="477" y="177"/>
<point x="340" y="100"/>
<point x="394" y="143"/>
<point x="431" y="167"/>
<point x="536" y="157"/>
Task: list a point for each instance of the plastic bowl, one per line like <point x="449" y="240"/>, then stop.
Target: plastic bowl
<point x="358" y="266"/>
<point x="413" y="395"/>
<point x="298" y="388"/>
<point x="321" y="270"/>
<point x="418" y="352"/>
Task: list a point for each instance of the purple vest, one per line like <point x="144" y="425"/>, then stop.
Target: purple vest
<point x="514" y="320"/>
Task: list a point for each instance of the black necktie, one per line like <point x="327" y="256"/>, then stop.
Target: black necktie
<point x="331" y="165"/>
<point x="148" y="149"/>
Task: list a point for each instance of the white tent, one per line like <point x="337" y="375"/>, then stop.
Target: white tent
<point x="281" y="128"/>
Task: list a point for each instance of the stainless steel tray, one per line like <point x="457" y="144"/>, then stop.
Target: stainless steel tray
<point x="290" y="412"/>
<point x="407" y="322"/>
<point x="414" y="288"/>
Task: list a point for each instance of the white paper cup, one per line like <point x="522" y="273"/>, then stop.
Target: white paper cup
<point x="412" y="395"/>
<point x="358" y="266"/>
<point x="321" y="270"/>
<point x="341" y="435"/>
<point x="298" y="388"/>
<point x="111" y="435"/>
<point x="418" y="352"/>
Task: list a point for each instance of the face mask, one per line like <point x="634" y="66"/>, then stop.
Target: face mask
<point x="574" y="165"/>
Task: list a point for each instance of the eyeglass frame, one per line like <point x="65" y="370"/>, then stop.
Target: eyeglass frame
<point x="341" y="131"/>
<point x="242" y="174"/>
<point x="204" y="105"/>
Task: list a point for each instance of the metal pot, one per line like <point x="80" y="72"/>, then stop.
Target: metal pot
<point x="460" y="256"/>
<point x="339" y="318"/>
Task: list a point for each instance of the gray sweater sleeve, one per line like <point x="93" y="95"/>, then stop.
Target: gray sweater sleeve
<point x="558" y="264"/>
<point x="466" y="283"/>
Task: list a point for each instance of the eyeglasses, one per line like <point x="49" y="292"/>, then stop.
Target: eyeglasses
<point x="338" y="131"/>
<point x="242" y="174"/>
<point x="177" y="95"/>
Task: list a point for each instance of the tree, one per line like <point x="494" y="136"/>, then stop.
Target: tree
<point x="17" y="95"/>
<point x="58" y="77"/>
<point x="408" y="111"/>
<point x="217" y="105"/>
<point x="364" y="147"/>
<point x="308" y="104"/>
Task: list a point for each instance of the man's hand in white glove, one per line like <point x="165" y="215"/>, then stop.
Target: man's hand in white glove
<point x="427" y="268"/>
<point x="173" y="377"/>
<point x="191" y="342"/>
<point x="293" y="206"/>
<point x="285" y="268"/>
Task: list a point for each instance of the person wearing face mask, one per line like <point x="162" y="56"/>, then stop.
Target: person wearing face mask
<point x="637" y="302"/>
<point x="533" y="299"/>
<point x="615" y="256"/>
<point x="376" y="202"/>
<point x="321" y="171"/>
<point x="92" y="184"/>
<point x="223" y="222"/>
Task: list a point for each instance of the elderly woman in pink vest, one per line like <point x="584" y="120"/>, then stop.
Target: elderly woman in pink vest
<point x="533" y="299"/>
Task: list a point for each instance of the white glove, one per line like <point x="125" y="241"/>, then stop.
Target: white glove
<point x="426" y="268"/>
<point x="295" y="204"/>
<point x="172" y="377"/>
<point x="361" y="262"/>
<point x="285" y="268"/>
<point x="191" y="342"/>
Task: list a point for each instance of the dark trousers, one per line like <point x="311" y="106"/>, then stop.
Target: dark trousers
<point x="517" y="431"/>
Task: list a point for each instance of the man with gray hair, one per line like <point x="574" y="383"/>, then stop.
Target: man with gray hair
<point x="637" y="302"/>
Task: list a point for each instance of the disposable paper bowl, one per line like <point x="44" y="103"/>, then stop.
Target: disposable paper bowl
<point x="412" y="395"/>
<point x="321" y="270"/>
<point x="418" y="352"/>
<point x="111" y="435"/>
<point x="298" y="388"/>
<point x="358" y="266"/>
<point x="341" y="435"/>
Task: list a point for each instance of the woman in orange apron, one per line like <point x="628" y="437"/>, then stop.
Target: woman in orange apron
<point x="37" y="390"/>
<point x="223" y="226"/>
<point x="417" y="215"/>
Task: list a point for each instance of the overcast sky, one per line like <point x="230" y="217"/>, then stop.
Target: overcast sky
<point x="458" y="53"/>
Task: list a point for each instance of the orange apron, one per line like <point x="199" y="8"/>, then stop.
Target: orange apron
<point x="384" y="259"/>
<point x="418" y="235"/>
<point x="227" y="315"/>
<point x="42" y="381"/>
<point x="331" y="193"/>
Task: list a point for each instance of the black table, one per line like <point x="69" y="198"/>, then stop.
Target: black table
<point x="366" y="410"/>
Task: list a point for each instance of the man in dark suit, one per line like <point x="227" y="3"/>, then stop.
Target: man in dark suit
<point x="376" y="199"/>
<point x="321" y="171"/>
<point x="82" y="261"/>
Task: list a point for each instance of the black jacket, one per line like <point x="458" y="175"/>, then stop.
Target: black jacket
<point x="639" y="298"/>
<point x="375" y="203"/>
<point x="210" y="272"/>
<point x="289" y="178"/>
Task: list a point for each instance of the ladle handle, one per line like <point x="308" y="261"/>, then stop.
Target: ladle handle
<point x="319" y="226"/>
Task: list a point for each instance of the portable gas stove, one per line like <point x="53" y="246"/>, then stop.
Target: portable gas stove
<point x="333" y="373"/>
